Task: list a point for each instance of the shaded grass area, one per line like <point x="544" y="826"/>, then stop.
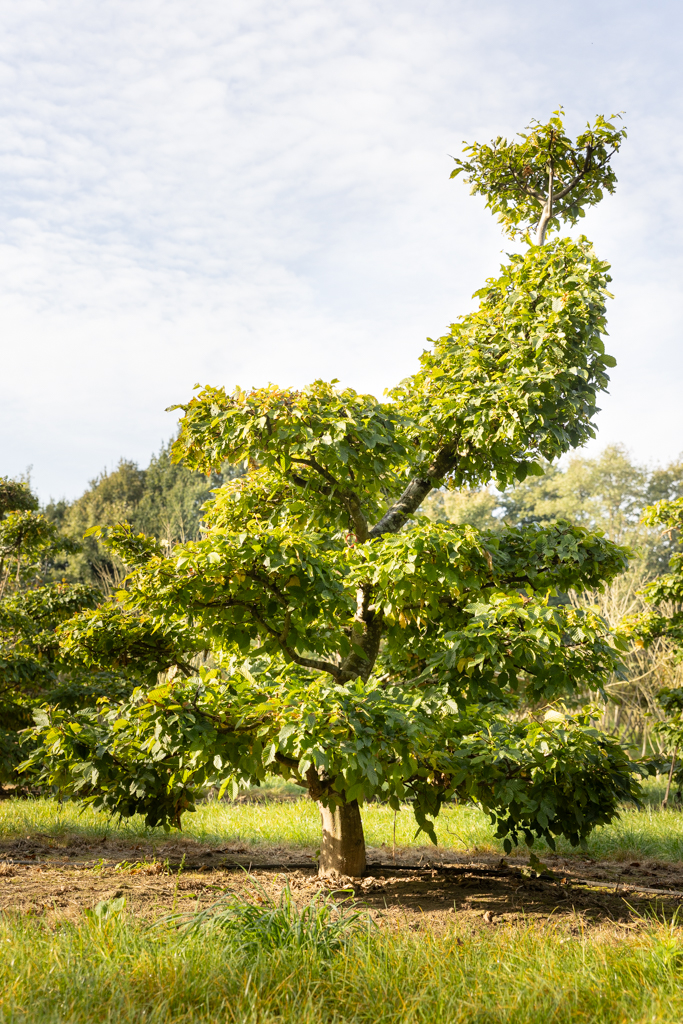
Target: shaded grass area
<point x="106" y="970"/>
<point x="639" y="833"/>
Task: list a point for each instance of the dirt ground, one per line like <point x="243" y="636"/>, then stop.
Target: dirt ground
<point x="62" y="877"/>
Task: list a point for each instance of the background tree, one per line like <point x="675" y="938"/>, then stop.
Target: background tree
<point x="352" y="644"/>
<point x="608" y="492"/>
<point x="665" y="594"/>
<point x="33" y="602"/>
<point x="660" y="626"/>
<point x="164" y="501"/>
<point x="478" y="507"/>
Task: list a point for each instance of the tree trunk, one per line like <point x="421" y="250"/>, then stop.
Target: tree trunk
<point x="547" y="212"/>
<point x="665" y="801"/>
<point x="342" y="851"/>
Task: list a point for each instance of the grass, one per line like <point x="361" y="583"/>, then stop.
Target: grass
<point x="268" y="962"/>
<point x="263" y="923"/>
<point x="118" y="970"/>
<point x="639" y="833"/>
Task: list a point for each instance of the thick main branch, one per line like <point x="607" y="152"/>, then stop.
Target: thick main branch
<point x="362" y="660"/>
<point x="415" y="493"/>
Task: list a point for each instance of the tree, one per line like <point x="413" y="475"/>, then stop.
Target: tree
<point x="609" y="492"/>
<point x="661" y="625"/>
<point x="467" y="505"/>
<point x="665" y="594"/>
<point x="33" y="668"/>
<point x="351" y="644"/>
<point x="670" y="729"/>
<point x="663" y="621"/>
<point x="164" y="500"/>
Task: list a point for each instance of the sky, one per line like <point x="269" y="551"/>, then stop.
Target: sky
<point x="259" y="191"/>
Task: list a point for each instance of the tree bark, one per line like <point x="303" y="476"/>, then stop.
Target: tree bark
<point x="342" y="851"/>
<point x="547" y="213"/>
<point x="371" y="622"/>
<point x="665" y="801"/>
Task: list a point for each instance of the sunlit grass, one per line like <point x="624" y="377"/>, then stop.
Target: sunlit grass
<point x="638" y="833"/>
<point x="121" y="971"/>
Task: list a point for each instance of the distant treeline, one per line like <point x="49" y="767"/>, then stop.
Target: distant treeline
<point x="607" y="493"/>
<point x="163" y="501"/>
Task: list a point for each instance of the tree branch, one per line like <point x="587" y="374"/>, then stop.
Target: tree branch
<point x="371" y="620"/>
<point x="290" y="762"/>
<point x="349" y="499"/>
<point x="415" y="493"/>
<point x="269" y="586"/>
<point x="577" y="177"/>
<point x="547" y="212"/>
<point x="588" y="166"/>
<point x="285" y="629"/>
<point x="321" y="666"/>
<point x="314" y="464"/>
<point x="531" y="192"/>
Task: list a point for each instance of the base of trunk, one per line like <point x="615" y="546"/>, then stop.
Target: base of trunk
<point x="342" y="851"/>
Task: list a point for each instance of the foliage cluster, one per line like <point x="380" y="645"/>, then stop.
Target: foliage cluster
<point x="49" y="572"/>
<point x="546" y="178"/>
<point x="33" y="602"/>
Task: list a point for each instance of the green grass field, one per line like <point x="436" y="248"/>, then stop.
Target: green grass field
<point x="116" y="968"/>
<point x="120" y="971"/>
<point x="645" y="833"/>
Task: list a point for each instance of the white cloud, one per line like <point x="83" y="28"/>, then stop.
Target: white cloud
<point x="254" y="191"/>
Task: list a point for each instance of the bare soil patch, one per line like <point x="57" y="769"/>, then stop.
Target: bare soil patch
<point x="62" y="877"/>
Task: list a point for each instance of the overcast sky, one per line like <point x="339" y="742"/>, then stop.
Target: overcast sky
<point x="258" y="190"/>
